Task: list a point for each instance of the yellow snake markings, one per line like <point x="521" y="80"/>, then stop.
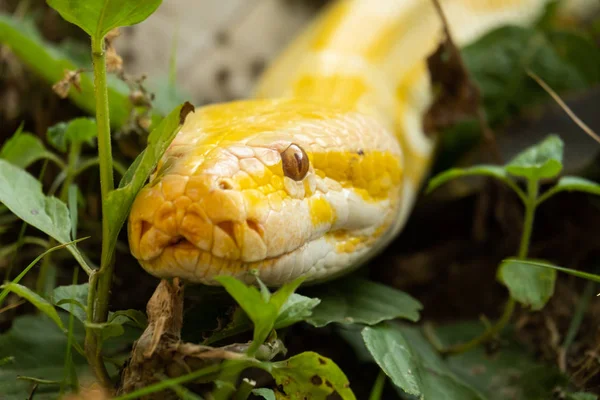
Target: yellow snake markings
<point x="319" y="171"/>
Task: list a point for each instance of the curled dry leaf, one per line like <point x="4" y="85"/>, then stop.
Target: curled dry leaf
<point x="159" y="351"/>
<point x="114" y="62"/>
<point x="70" y="78"/>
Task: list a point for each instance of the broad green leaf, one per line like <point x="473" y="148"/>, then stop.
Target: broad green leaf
<point x="23" y="149"/>
<point x="530" y="285"/>
<point x="479" y="170"/>
<point x="393" y="355"/>
<point x="263" y="315"/>
<point x="359" y="301"/>
<point x="131" y="317"/>
<point x="22" y="194"/>
<point x="117" y="323"/>
<point x="76" y="131"/>
<point x="499" y="61"/>
<point x="49" y="62"/>
<point x="310" y="376"/>
<point x="265" y="393"/>
<point x="413" y="365"/>
<point x="73" y="298"/>
<point x="38" y="301"/>
<point x="541" y="161"/>
<point x="36" y="347"/>
<point x="98" y="17"/>
<point x="541" y="264"/>
<point x="571" y="184"/>
<point x="297" y="308"/>
<point x="76" y="295"/>
<point x="511" y="372"/>
<point x="120" y="200"/>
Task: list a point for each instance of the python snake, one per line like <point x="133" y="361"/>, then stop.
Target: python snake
<point x="319" y="172"/>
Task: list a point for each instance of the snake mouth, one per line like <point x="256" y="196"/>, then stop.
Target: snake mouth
<point x="180" y="257"/>
<point x="232" y="243"/>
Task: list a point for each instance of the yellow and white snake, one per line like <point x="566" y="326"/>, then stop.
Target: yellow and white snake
<point x="319" y="172"/>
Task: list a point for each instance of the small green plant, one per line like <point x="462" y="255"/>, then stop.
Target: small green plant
<point x="527" y="283"/>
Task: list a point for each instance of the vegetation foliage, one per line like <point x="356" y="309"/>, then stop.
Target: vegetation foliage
<point x="74" y="335"/>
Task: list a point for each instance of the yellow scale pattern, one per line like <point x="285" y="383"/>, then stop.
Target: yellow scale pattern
<point x="351" y="91"/>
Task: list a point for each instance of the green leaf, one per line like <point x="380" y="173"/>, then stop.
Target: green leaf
<point x="413" y="365"/>
<point x="281" y="296"/>
<point x="120" y="200"/>
<point x="22" y="194"/>
<point x="310" y="376"/>
<point x="511" y="372"/>
<point x="479" y="170"/>
<point x="541" y="264"/>
<point x="297" y="308"/>
<point x="38" y="301"/>
<point x="359" y="301"/>
<point x="529" y="284"/>
<point x="98" y="17"/>
<point x="76" y="295"/>
<point x="36" y="348"/>
<point x="541" y="161"/>
<point x="64" y="296"/>
<point x="131" y="317"/>
<point x="265" y="393"/>
<point x="262" y="314"/>
<point x="571" y="184"/>
<point x="76" y="131"/>
<point x="23" y="149"/>
<point x="499" y="61"/>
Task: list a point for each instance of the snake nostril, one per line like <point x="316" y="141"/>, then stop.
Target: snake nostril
<point x="225" y="184"/>
<point x="145" y="227"/>
<point x="177" y="240"/>
<point x="227" y="227"/>
<point x="255" y="226"/>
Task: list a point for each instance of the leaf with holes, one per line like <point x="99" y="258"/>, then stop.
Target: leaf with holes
<point x="310" y="376"/>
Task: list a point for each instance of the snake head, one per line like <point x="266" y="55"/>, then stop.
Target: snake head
<point x="282" y="187"/>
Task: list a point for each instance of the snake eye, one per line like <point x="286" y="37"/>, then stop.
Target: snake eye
<point x="295" y="162"/>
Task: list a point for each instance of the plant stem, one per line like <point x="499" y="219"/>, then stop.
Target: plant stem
<point x="530" y="203"/>
<point x="101" y="281"/>
<point x="377" y="390"/>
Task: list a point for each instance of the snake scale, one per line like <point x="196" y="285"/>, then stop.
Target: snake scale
<point x="319" y="171"/>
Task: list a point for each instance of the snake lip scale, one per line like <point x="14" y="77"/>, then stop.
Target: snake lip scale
<point x="318" y="172"/>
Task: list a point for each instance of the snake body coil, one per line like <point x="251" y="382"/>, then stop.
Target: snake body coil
<point x="320" y="171"/>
